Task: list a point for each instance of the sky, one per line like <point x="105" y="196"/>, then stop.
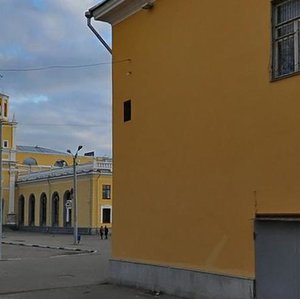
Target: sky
<point x="58" y="108"/>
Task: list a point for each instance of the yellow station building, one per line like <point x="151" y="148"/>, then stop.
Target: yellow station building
<point x="44" y="198"/>
<point x="38" y="186"/>
<point x="206" y="146"/>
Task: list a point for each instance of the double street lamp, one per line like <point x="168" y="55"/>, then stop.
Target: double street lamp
<point x="74" y="201"/>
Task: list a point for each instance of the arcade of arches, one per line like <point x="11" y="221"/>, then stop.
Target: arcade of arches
<point x="43" y="200"/>
<point x="59" y="207"/>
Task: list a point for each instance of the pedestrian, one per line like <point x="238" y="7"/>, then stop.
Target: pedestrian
<point x="105" y="231"/>
<point x="101" y="232"/>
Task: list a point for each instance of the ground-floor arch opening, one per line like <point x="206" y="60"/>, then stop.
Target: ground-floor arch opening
<point x="67" y="209"/>
<point x="55" y="209"/>
<point x="21" y="210"/>
<point x="31" y="210"/>
<point x="43" y="209"/>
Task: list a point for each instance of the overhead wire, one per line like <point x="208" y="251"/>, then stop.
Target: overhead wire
<point x="43" y="68"/>
<point x="58" y="125"/>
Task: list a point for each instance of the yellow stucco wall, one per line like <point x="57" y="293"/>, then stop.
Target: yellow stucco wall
<point x="105" y="203"/>
<point x="89" y="200"/>
<point x="46" y="159"/>
<point x="7" y="136"/>
<point x="211" y="141"/>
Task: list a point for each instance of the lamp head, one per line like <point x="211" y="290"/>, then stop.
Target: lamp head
<point x="88" y="14"/>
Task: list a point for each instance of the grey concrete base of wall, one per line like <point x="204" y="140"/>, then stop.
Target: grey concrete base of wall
<point x="180" y="282"/>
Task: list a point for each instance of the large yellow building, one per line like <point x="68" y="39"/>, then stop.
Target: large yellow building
<point x="38" y="185"/>
<point x="206" y="146"/>
<point x="44" y="198"/>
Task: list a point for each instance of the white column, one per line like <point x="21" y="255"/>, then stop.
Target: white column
<point x="12" y="181"/>
<point x="11" y="217"/>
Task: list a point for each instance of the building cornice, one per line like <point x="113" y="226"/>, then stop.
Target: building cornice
<point x="4" y="95"/>
<point x="115" y="11"/>
<point x="65" y="172"/>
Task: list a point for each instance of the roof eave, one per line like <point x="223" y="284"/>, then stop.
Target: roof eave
<point x="115" y="11"/>
<point x="4" y="95"/>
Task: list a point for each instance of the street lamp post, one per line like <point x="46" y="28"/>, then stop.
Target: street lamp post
<point x="74" y="201"/>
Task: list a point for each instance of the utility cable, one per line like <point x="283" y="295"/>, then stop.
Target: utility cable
<point x="43" y="68"/>
<point x="58" y="125"/>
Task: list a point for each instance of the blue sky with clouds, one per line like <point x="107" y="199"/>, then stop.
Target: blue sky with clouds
<point x="56" y="108"/>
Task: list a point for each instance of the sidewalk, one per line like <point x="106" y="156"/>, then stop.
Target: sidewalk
<point x="88" y="243"/>
<point x="76" y="276"/>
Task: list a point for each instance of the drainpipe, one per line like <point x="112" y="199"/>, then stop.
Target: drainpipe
<point x="89" y="17"/>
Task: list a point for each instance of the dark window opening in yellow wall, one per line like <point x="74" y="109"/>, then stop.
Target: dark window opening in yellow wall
<point x="106" y="215"/>
<point x="106" y="190"/>
<point x="286" y="25"/>
<point x="61" y="163"/>
<point x="5" y="109"/>
<point x="31" y="210"/>
<point x="55" y="209"/>
<point x="21" y="210"/>
<point x="127" y="110"/>
<point x="30" y="161"/>
<point x="43" y="209"/>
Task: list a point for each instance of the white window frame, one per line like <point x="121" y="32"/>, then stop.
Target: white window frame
<point x="275" y="40"/>
<point x="105" y="191"/>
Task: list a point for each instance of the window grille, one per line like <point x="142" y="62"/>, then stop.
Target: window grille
<point x="286" y="25"/>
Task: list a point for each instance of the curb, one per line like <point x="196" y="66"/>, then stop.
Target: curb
<point x="50" y="247"/>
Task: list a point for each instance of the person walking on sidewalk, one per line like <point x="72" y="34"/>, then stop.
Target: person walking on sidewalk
<point x="105" y="231"/>
<point x="101" y="232"/>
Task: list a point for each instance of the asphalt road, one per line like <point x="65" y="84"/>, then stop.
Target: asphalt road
<point x="33" y="272"/>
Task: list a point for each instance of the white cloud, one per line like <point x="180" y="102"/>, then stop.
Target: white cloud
<point x="58" y="108"/>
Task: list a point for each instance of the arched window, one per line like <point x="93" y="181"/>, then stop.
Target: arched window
<point x="60" y="163"/>
<point x="43" y="209"/>
<point x="21" y="210"/>
<point x="55" y="209"/>
<point x="67" y="209"/>
<point x="31" y="210"/>
<point x="30" y="161"/>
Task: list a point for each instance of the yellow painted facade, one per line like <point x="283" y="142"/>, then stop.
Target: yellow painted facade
<point x="59" y="184"/>
<point x="212" y="141"/>
<point x="192" y="139"/>
<point x="48" y="160"/>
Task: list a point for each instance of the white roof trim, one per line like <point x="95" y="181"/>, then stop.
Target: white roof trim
<point x="91" y="168"/>
<point x="115" y="11"/>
